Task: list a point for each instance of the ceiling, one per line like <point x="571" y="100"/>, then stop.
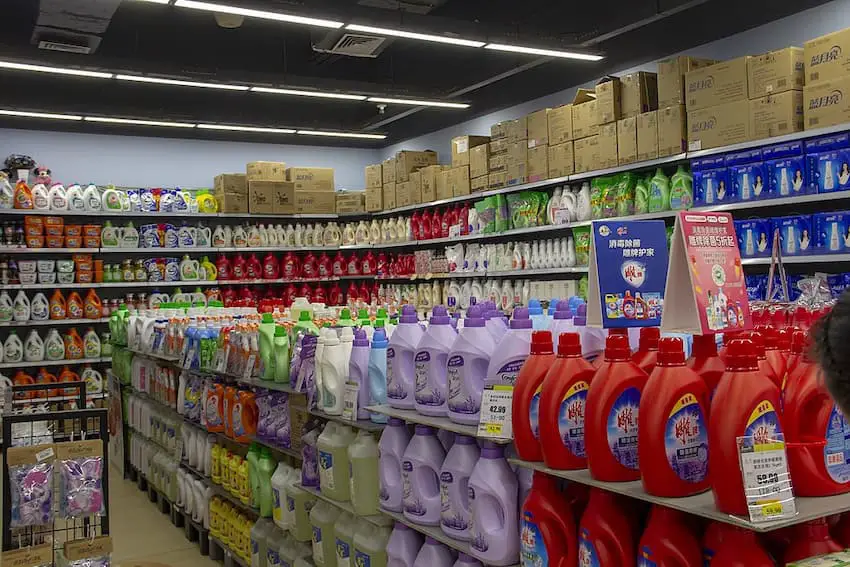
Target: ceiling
<point x="139" y="37"/>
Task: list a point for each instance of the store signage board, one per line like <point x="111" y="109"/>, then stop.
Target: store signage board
<point x="627" y="273"/>
<point x="706" y="291"/>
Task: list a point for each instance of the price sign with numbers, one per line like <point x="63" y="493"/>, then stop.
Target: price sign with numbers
<point x="495" y="421"/>
<point x="767" y="480"/>
<point x="349" y="401"/>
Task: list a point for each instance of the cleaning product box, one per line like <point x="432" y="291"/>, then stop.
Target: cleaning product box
<point x="498" y="147"/>
<point x="402" y="194"/>
<point x="828" y="163"/>
<point x="442" y="189"/>
<point x="586" y="153"/>
<point x="498" y="163"/>
<point x="407" y="161"/>
<point x="560" y="125"/>
<point x="497" y="131"/>
<point x="711" y="181"/>
<point x="310" y="202"/>
<point x="348" y="202"/>
<point x="374" y="175"/>
<point x="538" y="128"/>
<point x="374" y="199"/>
<point x="389" y="196"/>
<point x="671" y="78"/>
<point x="607" y="146"/>
<point x="608" y="100"/>
<point x="261" y="195"/>
<point x="231" y="202"/>
<point x="428" y="182"/>
<point x="478" y="183"/>
<point x="388" y="171"/>
<point x="231" y="183"/>
<point x="776" y="114"/>
<point x="795" y="234"/>
<point x="719" y="125"/>
<point x="517" y="153"/>
<point x="627" y="149"/>
<point x="748" y="176"/>
<point x="638" y="93"/>
<point x="516" y="130"/>
<point x="826" y="103"/>
<point x="827" y="57"/>
<point x="832" y="232"/>
<point x="538" y="163"/>
<point x="479" y="160"/>
<point x="585" y="120"/>
<point x="461" y="146"/>
<point x="458" y="181"/>
<point x="311" y="178"/>
<point x="754" y="237"/>
<point x="516" y="174"/>
<point x="672" y="130"/>
<point x="415" y="187"/>
<point x="647" y="135"/>
<point x="561" y="160"/>
<point x="775" y="72"/>
<point x="785" y="166"/>
<point x="497" y="180"/>
<point x="266" y="171"/>
<point x="718" y="84"/>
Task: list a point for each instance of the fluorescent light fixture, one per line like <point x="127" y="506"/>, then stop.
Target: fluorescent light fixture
<point x="262" y="14"/>
<point x="54" y="70"/>
<point x="317" y="94"/>
<point x="51" y="116"/>
<point x="342" y="134"/>
<point x="158" y="81"/>
<point x="155" y="1"/>
<point x="246" y="129"/>
<point x="414" y="35"/>
<point x="139" y="122"/>
<point x="411" y="102"/>
<point x="543" y="52"/>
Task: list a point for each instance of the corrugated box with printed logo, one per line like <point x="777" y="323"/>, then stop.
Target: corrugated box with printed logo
<point x="560" y="124"/>
<point x="627" y="140"/>
<point x="672" y="130"/>
<point x="231" y="183"/>
<point x="776" y="115"/>
<point x="407" y="161"/>
<point x="827" y="57"/>
<point x="498" y="131"/>
<point x="497" y="163"/>
<point x="458" y="180"/>
<point x="261" y="195"/>
<point x="826" y="103"/>
<point x="478" y="183"/>
<point x="561" y="161"/>
<point x="231" y="202"/>
<point x="638" y="93"/>
<point x="313" y="203"/>
<point x="516" y="174"/>
<point x="462" y="145"/>
<point x="586" y="153"/>
<point x="719" y="125"/>
<point x="428" y="176"/>
<point x="388" y="170"/>
<point x="416" y="187"/>
<point x="517" y="153"/>
<point x="497" y="180"/>
<point x="498" y="147"/>
<point x="266" y="171"/>
<point x="516" y="130"/>
<point x="389" y="196"/>
<point x="647" y="135"/>
<point x="374" y="175"/>
<point x="402" y="194"/>
<point x="311" y="178"/>
<point x="585" y="120"/>
<point x="374" y="199"/>
<point x="717" y="84"/>
<point x="538" y="164"/>
<point x="538" y="128"/>
<point x="479" y="160"/>
<point x="607" y="146"/>
<point x="443" y="187"/>
<point x="350" y="202"/>
<point x="287" y="199"/>
<point x="776" y="72"/>
<point x="671" y="78"/>
<point x="608" y="96"/>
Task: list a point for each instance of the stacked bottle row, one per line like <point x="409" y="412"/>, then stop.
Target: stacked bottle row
<point x="93" y="379"/>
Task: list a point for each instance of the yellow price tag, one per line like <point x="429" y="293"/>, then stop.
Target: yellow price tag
<point x="771" y="508"/>
<point x="494" y="428"/>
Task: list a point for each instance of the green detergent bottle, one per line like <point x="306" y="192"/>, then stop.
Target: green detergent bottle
<point x="265" y="470"/>
<point x="363" y="318"/>
<point x="253" y="458"/>
<point x="642" y="195"/>
<point x="345" y="319"/>
<point x="659" y="192"/>
<point x="681" y="190"/>
<point x="281" y="355"/>
<point x="305" y="324"/>
<point x="267" y="350"/>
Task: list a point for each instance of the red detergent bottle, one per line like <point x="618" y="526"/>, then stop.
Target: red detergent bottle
<point x="764" y="366"/>
<point x="668" y="540"/>
<point x="526" y="401"/>
<point x="673" y="426"/>
<point x="741" y="548"/>
<point x="563" y="400"/>
<point x="607" y="535"/>
<point x="810" y="540"/>
<point x="548" y="530"/>
<point x="611" y="424"/>
<point x="599" y="360"/>
<point x="771" y="351"/>
<point x="712" y="539"/>
<point x="841" y="530"/>
<point x="647" y="352"/>
<point x="728" y="337"/>
<point x="705" y="361"/>
<point x="749" y="404"/>
<point x="783" y="341"/>
<point x="797" y="362"/>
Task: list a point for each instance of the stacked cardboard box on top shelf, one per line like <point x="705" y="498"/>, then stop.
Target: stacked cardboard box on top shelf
<point x="401" y="180"/>
<point x="273" y="188"/>
<point x="827" y="74"/>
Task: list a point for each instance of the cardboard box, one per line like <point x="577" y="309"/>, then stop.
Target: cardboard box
<point x="374" y="199"/>
<point x="313" y="203"/>
<point x="719" y="125"/>
<point x="497" y="163"/>
<point x="266" y="171"/>
<point x="231" y="183"/>
<point x="717" y="84"/>
<point x="560" y="124"/>
<point x="497" y="180"/>
<point x="516" y="130"/>
<point x="672" y="130"/>
<point x="478" y="183"/>
<point x="461" y="146"/>
<point x="498" y="147"/>
<point x="608" y="96"/>
<point x="538" y="128"/>
<point x="443" y="188"/>
<point x="458" y="181"/>
<point x="498" y="131"/>
<point x="538" y="164"/>
<point x="826" y="103"/>
<point x="388" y="171"/>
<point x="607" y="146"/>
<point x="776" y="72"/>
<point x="776" y="115"/>
<point x="585" y="121"/>
<point x="479" y="160"/>
<point x="283" y="197"/>
<point x="428" y="176"/>
<point x="407" y="161"/>
<point x="561" y="161"/>
<point x="231" y="202"/>
<point x="627" y="140"/>
<point x="586" y="153"/>
<point x="516" y="174"/>
<point x="647" y="135"/>
<point x="671" y="78"/>
<point x="638" y="93"/>
<point x="350" y="202"/>
<point x="374" y="175"/>
<point x="402" y="194"/>
<point x="517" y="153"/>
<point x="261" y="195"/>
<point x="827" y="57"/>
<point x="389" y="196"/>
<point x="415" y="187"/>
<point x="311" y="178"/>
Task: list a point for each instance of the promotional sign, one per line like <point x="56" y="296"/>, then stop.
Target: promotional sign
<point x="627" y="272"/>
<point x="706" y="290"/>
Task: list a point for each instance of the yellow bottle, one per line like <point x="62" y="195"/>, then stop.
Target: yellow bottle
<point x="215" y="464"/>
<point x="227" y="522"/>
<point x="239" y="536"/>
<point x="246" y="539"/>
<point x="215" y="517"/>
<point x="225" y="467"/>
<point x="244" y="485"/>
<point x="206" y="202"/>
<point x="209" y="269"/>
<point x="235" y="463"/>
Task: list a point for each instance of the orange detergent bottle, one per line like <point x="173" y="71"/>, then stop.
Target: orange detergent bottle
<point x="668" y="540"/>
<point x="227" y="409"/>
<point x="45" y="377"/>
<point x="611" y="425"/>
<point x="68" y="376"/>
<point x="58" y="306"/>
<point x="23" y="379"/>
<point x="741" y="548"/>
<point x="705" y="361"/>
<point x="548" y="530"/>
<point x="764" y="366"/>
<point x="562" y="406"/>
<point x="93" y="306"/>
<point x="771" y="351"/>
<point x="607" y="535"/>
<point x="748" y="402"/>
<point x="810" y="540"/>
<point x="215" y="408"/>
<point x="673" y="427"/>
<point x="75" y="306"/>
<point x="647" y="352"/>
<point x="73" y="345"/>
<point x="526" y="399"/>
<point x="22" y="195"/>
<point x="244" y="417"/>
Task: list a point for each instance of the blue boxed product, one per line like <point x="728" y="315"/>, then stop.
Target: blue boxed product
<point x="795" y="234"/>
<point x="828" y="163"/>
<point x="838" y="283"/>
<point x="785" y="166"/>
<point x="832" y="231"/>
<point x="748" y="176"/>
<point x="711" y="181"/>
<point x="754" y="237"/>
<point x="756" y="286"/>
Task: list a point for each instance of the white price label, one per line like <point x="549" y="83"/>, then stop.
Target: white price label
<point x="45" y="454"/>
<point x="767" y="481"/>
<point x="562" y="216"/>
<point x="495" y="419"/>
<point x="454" y="231"/>
<point x="349" y="401"/>
<point x="249" y="366"/>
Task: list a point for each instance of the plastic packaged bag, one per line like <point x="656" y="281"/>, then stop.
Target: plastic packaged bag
<point x="30" y="486"/>
<point x="80" y="479"/>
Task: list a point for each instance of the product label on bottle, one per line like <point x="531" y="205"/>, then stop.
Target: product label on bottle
<point x="426" y="394"/>
<point x="362" y="559"/>
<point x="460" y="401"/>
<point x="534" y="413"/>
<point x="836" y="453"/>
<point x="532" y="547"/>
<point x="571" y="418"/>
<point x="326" y="470"/>
<point x="646" y="557"/>
<point x="762" y="425"/>
<point x="623" y="428"/>
<point x="508" y="373"/>
<point x="451" y="517"/>
<point x="272" y="557"/>
<point x="707" y="556"/>
<point x="343" y="553"/>
<point x="318" y="552"/>
<point x="587" y="556"/>
<point x="411" y="504"/>
<point x="395" y="389"/>
<point x="686" y="440"/>
<point x="277" y="511"/>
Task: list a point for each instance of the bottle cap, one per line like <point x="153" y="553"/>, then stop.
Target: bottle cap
<point x="758" y="344"/>
<point x="541" y="342"/>
<point x="267" y="318"/>
<point x="704" y="346"/>
<point x="521" y="320"/>
<point x="360" y="339"/>
<point x="408" y="314"/>
<point x="569" y="344"/>
<point x="474" y="317"/>
<point x="304" y="316"/>
<point x="439" y="315"/>
<point x="741" y="355"/>
<point x="345" y="313"/>
<point x="534" y="307"/>
<point x="617" y="348"/>
<point x="649" y="337"/>
<point x="671" y="352"/>
<point x="279" y="331"/>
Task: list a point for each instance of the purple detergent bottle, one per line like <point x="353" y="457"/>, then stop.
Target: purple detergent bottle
<point x="511" y="351"/>
<point x="447" y="438"/>
<point x="434" y="554"/>
<point x="420" y="476"/>
<point x="431" y="357"/>
<point x="403" y="547"/>
<point x="467" y="367"/>
<point x="394" y="441"/>
<point x="464" y="560"/>
<point x="494" y="321"/>
<point x="358" y="371"/>
<point x="454" y="480"/>
<point x="493" y="501"/>
<point x="401" y="371"/>
<point x="562" y="320"/>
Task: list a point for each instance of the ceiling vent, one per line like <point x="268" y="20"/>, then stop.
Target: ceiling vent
<point x="352" y="45"/>
<point x="62" y="46"/>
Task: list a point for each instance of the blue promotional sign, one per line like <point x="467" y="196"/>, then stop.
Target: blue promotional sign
<point x="628" y="271"/>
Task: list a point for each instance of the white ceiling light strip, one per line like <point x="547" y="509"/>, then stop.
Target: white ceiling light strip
<point x="262" y="14"/>
<point x="47" y="115"/>
<point x="155" y="1"/>
<point x="415" y="35"/>
<point x="180" y="83"/>
<point x="246" y="129"/>
<point x="139" y="122"/>
<point x="317" y="94"/>
<point x="435" y="103"/>
<point x="54" y="70"/>
<point x="342" y="134"/>
<point x="543" y="52"/>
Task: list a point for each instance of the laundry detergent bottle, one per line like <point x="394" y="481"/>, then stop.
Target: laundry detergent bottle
<point x="705" y="361"/>
<point x="741" y="548"/>
<point x="432" y="353"/>
<point x="421" y="466"/>
<point x="607" y="534"/>
<point x="563" y="402"/>
<point x="673" y="426"/>
<point x="404" y="545"/>
<point x="454" y="481"/>
<point x="511" y="351"/>
<point x="647" y="351"/>
<point x="611" y="425"/>
<point x="393" y="443"/>
<point x="810" y="540"/>
<point x="358" y="371"/>
<point x="548" y="534"/>
<point x="525" y="411"/>
<point x="467" y="367"/>
<point x="378" y="373"/>
<point x="668" y="540"/>
<point x="493" y="495"/>
<point x="401" y="370"/>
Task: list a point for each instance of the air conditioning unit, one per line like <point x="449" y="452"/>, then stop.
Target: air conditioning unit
<point x="352" y="44"/>
<point x="66" y="47"/>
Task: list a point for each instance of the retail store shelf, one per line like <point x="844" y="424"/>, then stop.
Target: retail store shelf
<point x="536" y="272"/>
<point x="231" y="558"/>
<point x="222" y="492"/>
<point x="48" y="363"/>
<point x="161" y="214"/>
<point x="776" y="202"/>
<point x="49" y="399"/>
<point x="637" y="166"/>
<point x="158" y="251"/>
<point x="377" y="519"/>
<point x="185" y="283"/>
<point x="411" y="416"/>
<point x="811" y="259"/>
<point x="25" y="250"/>
<point x="363" y="424"/>
<point x="267" y="384"/>
<point x="195" y="471"/>
<point x="50" y="286"/>
<point x="54" y="322"/>
<point x="695" y="153"/>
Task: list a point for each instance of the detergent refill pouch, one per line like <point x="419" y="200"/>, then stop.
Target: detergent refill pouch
<point x="748" y="175"/>
<point x="795" y="234"/>
<point x="832" y="231"/>
<point x="755" y="237"/>
<point x="626" y="188"/>
<point x="785" y="167"/>
<point x="828" y="163"/>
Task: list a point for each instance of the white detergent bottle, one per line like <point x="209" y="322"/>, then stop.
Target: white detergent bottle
<point x="318" y="234"/>
<point x="361" y="235"/>
<point x="33" y="347"/>
<point x="271" y="234"/>
<point x="348" y="234"/>
<point x="129" y="237"/>
<point x="7" y="194"/>
<point x="54" y="346"/>
<point x="308" y="235"/>
<point x="334" y="373"/>
<point x="583" y="209"/>
<point x="834" y="239"/>
<point x="13" y="348"/>
<point x="6" y="307"/>
<point x="300" y="238"/>
<point x="40" y="200"/>
<point x="75" y="198"/>
<point x="289" y="236"/>
<point x="375" y="232"/>
<point x="790" y="241"/>
<point x="58" y="198"/>
<point x="746" y="192"/>
<point x="264" y="235"/>
<point x="553" y="205"/>
<point x="21" y="308"/>
<point x="39" y="307"/>
<point x="828" y="177"/>
<point x="91" y="344"/>
<point x="254" y="236"/>
<point x="91" y="198"/>
<point x="318" y="378"/>
<point x="93" y="379"/>
<point x="571" y="251"/>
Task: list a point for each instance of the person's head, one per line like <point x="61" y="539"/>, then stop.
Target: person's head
<point x="721" y="184"/>
<point x="758" y="179"/>
<point x="798" y="175"/>
<point x="844" y="168"/>
<point x="805" y="233"/>
<point x="830" y="337"/>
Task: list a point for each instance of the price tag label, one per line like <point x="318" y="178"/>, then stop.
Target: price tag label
<point x="187" y="360"/>
<point x="767" y="481"/>
<point x="454" y="230"/>
<point x="349" y="401"/>
<point x="562" y="216"/>
<point x="495" y="419"/>
<point x="249" y="366"/>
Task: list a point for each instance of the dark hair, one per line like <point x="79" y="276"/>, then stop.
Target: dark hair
<point x="830" y="339"/>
